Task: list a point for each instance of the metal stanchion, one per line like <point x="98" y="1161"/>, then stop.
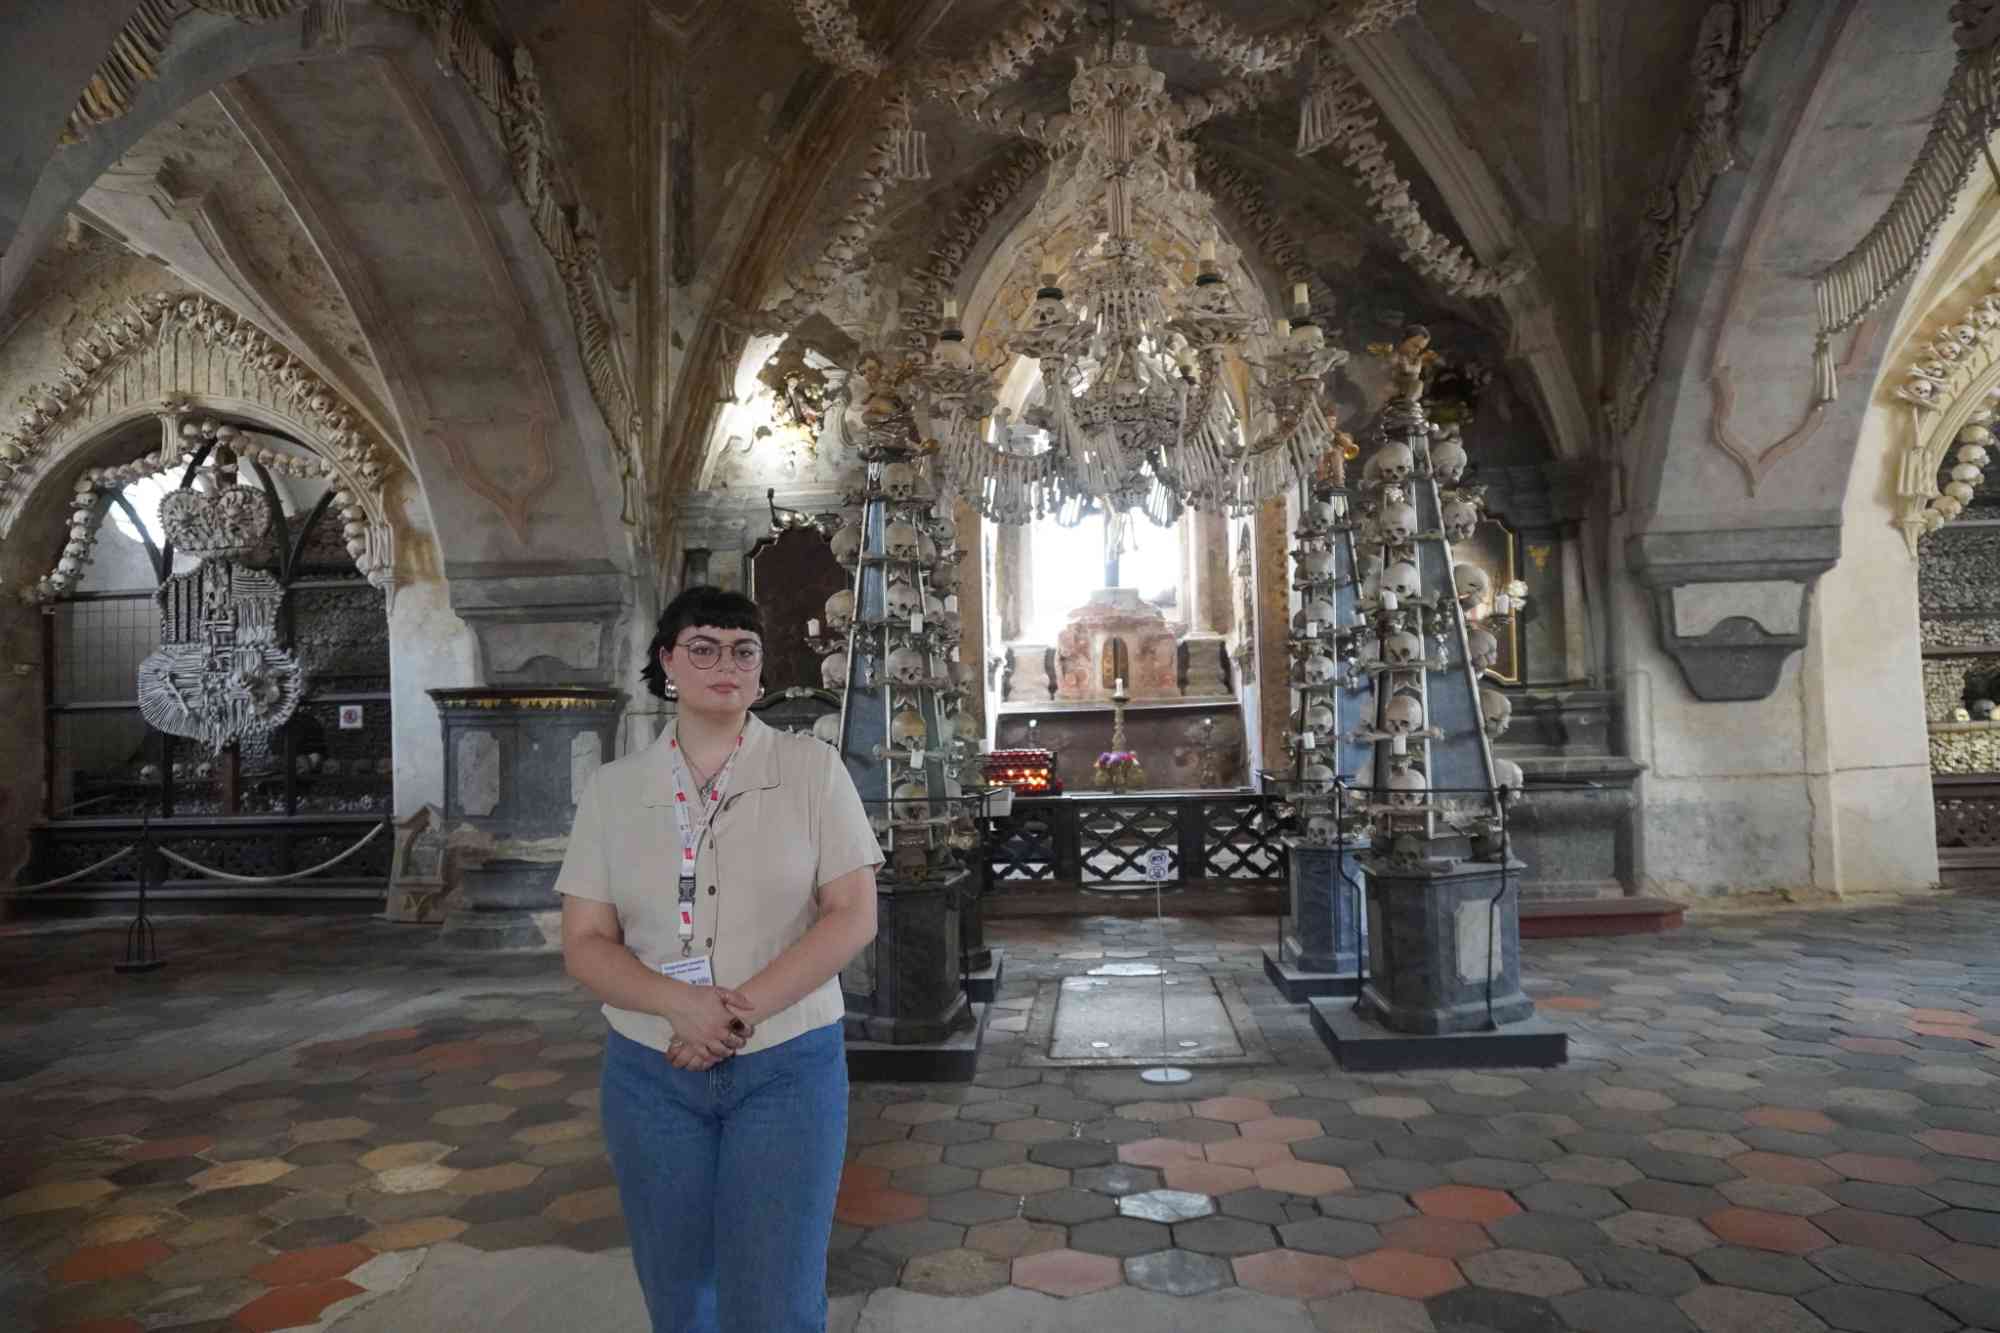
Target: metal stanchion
<point x="1156" y="870"/>
<point x="142" y="952"/>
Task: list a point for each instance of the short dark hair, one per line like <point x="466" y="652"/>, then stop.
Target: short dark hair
<point x="700" y="605"/>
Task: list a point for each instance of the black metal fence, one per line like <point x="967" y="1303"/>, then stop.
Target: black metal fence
<point x="1107" y="842"/>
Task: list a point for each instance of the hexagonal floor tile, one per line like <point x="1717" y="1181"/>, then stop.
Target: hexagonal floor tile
<point x="1067" y="1272"/>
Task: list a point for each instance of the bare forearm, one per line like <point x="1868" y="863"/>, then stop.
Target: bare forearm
<point x="612" y="973"/>
<point x="820" y="953"/>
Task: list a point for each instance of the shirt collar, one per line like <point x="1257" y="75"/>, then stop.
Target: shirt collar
<point x="756" y="767"/>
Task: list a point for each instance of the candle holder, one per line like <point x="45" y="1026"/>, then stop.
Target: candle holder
<point x="1118" y="768"/>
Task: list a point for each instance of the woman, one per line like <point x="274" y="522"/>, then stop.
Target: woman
<point x="716" y="882"/>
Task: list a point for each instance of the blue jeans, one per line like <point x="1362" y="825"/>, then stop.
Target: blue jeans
<point x="728" y="1180"/>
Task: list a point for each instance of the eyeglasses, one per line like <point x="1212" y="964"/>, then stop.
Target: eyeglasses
<point x="706" y="653"/>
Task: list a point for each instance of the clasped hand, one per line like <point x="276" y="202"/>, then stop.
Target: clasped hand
<point x="711" y="1023"/>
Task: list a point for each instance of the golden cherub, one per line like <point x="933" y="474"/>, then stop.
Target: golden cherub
<point x="1408" y="360"/>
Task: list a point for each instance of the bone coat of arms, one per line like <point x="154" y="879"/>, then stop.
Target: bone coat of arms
<point x="220" y="672"/>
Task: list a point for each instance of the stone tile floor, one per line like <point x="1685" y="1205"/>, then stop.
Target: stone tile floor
<point x="1771" y="1122"/>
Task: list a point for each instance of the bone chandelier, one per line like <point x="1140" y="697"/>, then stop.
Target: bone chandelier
<point x="1135" y="412"/>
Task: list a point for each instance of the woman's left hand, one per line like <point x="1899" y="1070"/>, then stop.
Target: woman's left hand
<point x="682" y="1056"/>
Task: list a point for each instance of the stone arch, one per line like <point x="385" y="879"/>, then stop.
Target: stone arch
<point x="177" y="357"/>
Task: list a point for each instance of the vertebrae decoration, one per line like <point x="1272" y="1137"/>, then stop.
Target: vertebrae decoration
<point x="925" y="289"/>
<point x="1730" y="34"/>
<point x="503" y="81"/>
<point x="1885" y="258"/>
<point x="1348" y="117"/>
<point x="1947" y="364"/>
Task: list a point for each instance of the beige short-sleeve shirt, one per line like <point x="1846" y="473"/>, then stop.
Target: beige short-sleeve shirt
<point x="790" y="822"/>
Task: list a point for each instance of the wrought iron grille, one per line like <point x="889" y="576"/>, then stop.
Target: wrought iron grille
<point x="1105" y="842"/>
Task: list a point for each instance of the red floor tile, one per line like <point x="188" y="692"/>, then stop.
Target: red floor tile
<point x="1417" y="1277"/>
<point x="286" y="1307"/>
<point x="1783" y="1168"/>
<point x="1467" y="1203"/>
<point x="1760" y="1230"/>
<point x="1788" y="1117"/>
<point x="1881" y="1170"/>
<point x="97" y="1263"/>
<point x="315" y="1265"/>
<point x="1290" y="1274"/>
<point x="1879" y="1231"/>
<point x="1960" y="1143"/>
<point x="1439" y="1237"/>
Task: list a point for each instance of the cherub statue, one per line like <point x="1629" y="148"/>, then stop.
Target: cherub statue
<point x="1408" y="360"/>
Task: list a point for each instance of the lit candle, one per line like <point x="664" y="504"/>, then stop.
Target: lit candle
<point x="1119" y="687"/>
<point x="916" y="622"/>
<point x="1299" y="301"/>
<point x="1502" y="604"/>
<point x="812" y="629"/>
<point x="1308" y="740"/>
<point x="951" y="602"/>
<point x="951" y="310"/>
<point x="1400" y="744"/>
<point x="1388" y="600"/>
<point x="1208" y="249"/>
<point x="1312" y="629"/>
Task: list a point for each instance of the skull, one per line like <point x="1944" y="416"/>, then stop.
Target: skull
<point x="1402" y="648"/>
<point x="840" y="611"/>
<point x="1322" y="830"/>
<point x="1481" y="648"/>
<point x="1321" y="515"/>
<point x="907" y="666"/>
<point x="902" y="599"/>
<point x="1401" y="578"/>
<point x="965" y="725"/>
<point x="846" y="544"/>
<point x="1498" y="710"/>
<point x="1315" y="716"/>
<point x="828" y="729"/>
<point x="912" y="801"/>
<point x="899" y="481"/>
<point x="1407" y="786"/>
<point x="1460" y="518"/>
<point x="1508" y="777"/>
<point x="1983" y="709"/>
<point x="1316" y="564"/>
<point x="1475" y="589"/>
<point x="907" y="727"/>
<point x="1399" y="522"/>
<point x="1315" y="771"/>
<point x="1317" y="609"/>
<point x="943" y="525"/>
<point x="833" y="671"/>
<point x="901" y="540"/>
<point x="1393" y="461"/>
<point x="1318" y="669"/>
<point x="1405" y="714"/>
<point x="1448" y="455"/>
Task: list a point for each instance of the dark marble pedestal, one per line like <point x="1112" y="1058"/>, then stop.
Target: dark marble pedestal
<point x="1322" y="947"/>
<point x="1444" y="974"/>
<point x="497" y="905"/>
<point x="906" y="1011"/>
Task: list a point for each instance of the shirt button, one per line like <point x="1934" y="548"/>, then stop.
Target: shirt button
<point x="709" y="943"/>
<point x="711" y="890"/>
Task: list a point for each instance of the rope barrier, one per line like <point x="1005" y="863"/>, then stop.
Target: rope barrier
<point x="178" y="859"/>
<point x="118" y="855"/>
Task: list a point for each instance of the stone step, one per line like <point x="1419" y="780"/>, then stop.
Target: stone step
<point x="1570" y="918"/>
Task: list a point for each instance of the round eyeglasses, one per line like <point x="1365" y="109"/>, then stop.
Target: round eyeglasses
<point x="706" y="653"/>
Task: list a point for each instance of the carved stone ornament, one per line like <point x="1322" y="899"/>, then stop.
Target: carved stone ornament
<point x="219" y="673"/>
<point x="1950" y="383"/>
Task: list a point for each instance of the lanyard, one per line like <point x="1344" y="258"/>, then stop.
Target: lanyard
<point x="691" y="836"/>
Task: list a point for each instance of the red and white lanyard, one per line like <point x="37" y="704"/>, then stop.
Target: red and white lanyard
<point x="691" y="835"/>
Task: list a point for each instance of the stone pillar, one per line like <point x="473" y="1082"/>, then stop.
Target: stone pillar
<point x="515" y="762"/>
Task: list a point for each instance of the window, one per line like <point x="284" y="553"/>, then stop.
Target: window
<point x="1068" y="564"/>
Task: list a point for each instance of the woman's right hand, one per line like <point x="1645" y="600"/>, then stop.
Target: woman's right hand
<point x="703" y="1022"/>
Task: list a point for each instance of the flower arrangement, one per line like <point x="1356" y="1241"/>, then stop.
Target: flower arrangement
<point x="1119" y="769"/>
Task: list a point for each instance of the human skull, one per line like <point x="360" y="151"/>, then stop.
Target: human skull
<point x="1404" y="714"/>
<point x="907" y="727"/>
<point x="906" y="666"/>
<point x="1507" y="776"/>
<point x="1402" y="579"/>
<point x="1474" y="587"/>
<point x="1321" y="515"/>
<point x="1402" y="648"/>
<point x="840" y="611"/>
<point x="902" y="599"/>
<point x="1498" y="711"/>
<point x="933" y="606"/>
<point x="1318" y="609"/>
<point x="846" y="544"/>
<point x="1393" y="461"/>
<point x="1399" y="522"/>
<point x="1315" y="771"/>
<point x="1322" y="830"/>
<point x="1316" y="564"/>
<point x="899" y="481"/>
<point x="828" y="729"/>
<point x="1448" y="455"/>
<point x="965" y="725"/>
<point x="1407" y="786"/>
<point x="912" y="801"/>
<point x="901" y="541"/>
<point x="943" y="526"/>
<point x="1316" y="716"/>
<point x="1460" y="518"/>
<point x="1481" y="648"/>
<point x="1317" y="669"/>
<point x="833" y="671"/>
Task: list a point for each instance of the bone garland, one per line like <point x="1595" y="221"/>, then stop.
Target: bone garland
<point x="1041" y="25"/>
<point x="1220" y="41"/>
<point x="920" y="307"/>
<point x="505" y="83"/>
<point x="1730" y="34"/>
<point x="1884" y="259"/>
<point x="1241" y="195"/>
<point x="843" y="249"/>
<point x="1366" y="154"/>
<point x="830" y="29"/>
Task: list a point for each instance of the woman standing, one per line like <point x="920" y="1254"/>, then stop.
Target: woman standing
<point x="716" y="882"/>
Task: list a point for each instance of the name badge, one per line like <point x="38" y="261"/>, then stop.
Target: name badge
<point x="694" y="971"/>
